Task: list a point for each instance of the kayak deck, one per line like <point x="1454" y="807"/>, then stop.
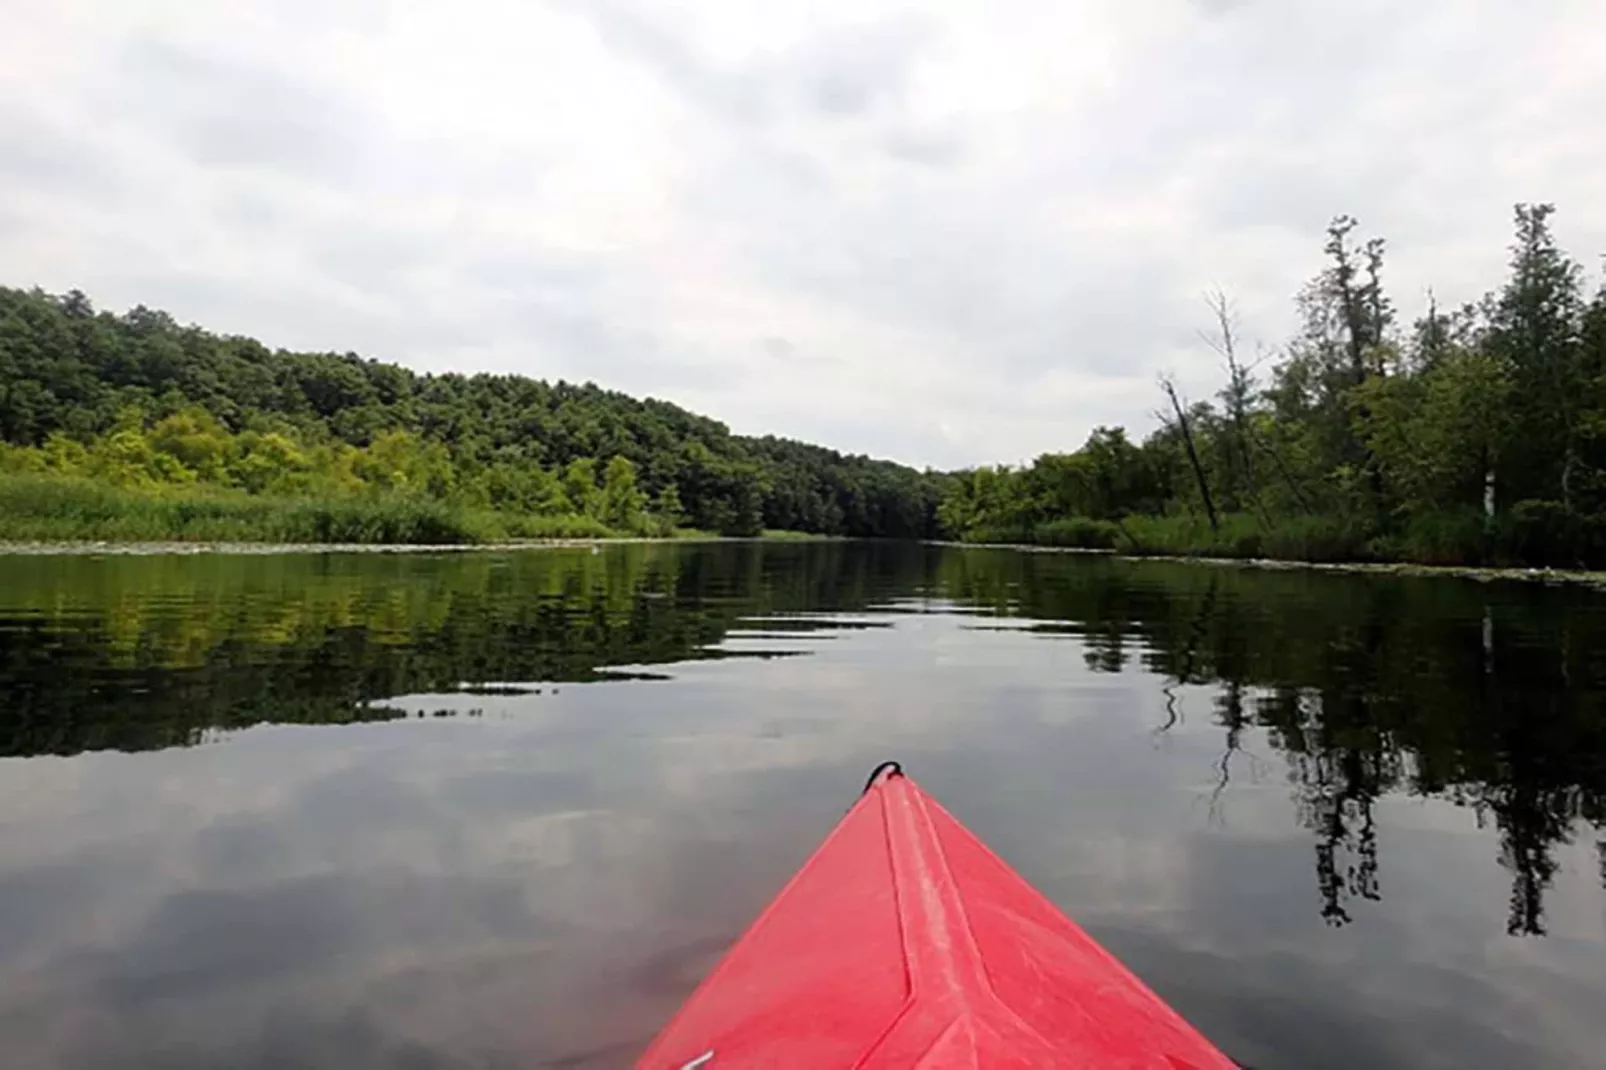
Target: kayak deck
<point x="904" y="942"/>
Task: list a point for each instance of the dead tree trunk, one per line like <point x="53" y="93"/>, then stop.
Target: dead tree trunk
<point x="1170" y="389"/>
<point x="1236" y="395"/>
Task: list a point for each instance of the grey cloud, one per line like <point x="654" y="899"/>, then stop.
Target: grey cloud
<point x="395" y="293"/>
<point x="1301" y="191"/>
<point x="918" y="444"/>
<point x="525" y="273"/>
<point x="841" y="74"/>
<point x="321" y="16"/>
<point x="230" y="113"/>
<point x="733" y="95"/>
<point x="39" y="152"/>
<point x="14" y="225"/>
<point x="843" y="92"/>
<point x="303" y="315"/>
<point x="367" y="253"/>
<point x="255" y="211"/>
<point x="928" y="148"/>
<point x="1029" y="303"/>
<point x="580" y="343"/>
<point x="850" y="72"/>
<point x="778" y="348"/>
<point x="988" y="232"/>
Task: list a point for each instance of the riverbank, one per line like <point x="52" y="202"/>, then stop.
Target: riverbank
<point x="1572" y="577"/>
<point x="1483" y="575"/>
<point x="1578" y="577"/>
<point x="142" y="549"/>
<point x="50" y="510"/>
<point x="1527" y="540"/>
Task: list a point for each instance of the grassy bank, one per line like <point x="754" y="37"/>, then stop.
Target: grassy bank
<point x="1523" y="539"/>
<point x="48" y="508"/>
<point x="1241" y="535"/>
<point x="782" y="535"/>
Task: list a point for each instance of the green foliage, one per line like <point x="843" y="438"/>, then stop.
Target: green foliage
<point x="1534" y="329"/>
<point x="1476" y="438"/>
<point x="1552" y="533"/>
<point x="52" y="508"/>
<point x="623" y="506"/>
<point x="580" y="489"/>
<point x="1454" y="536"/>
<point x="1078" y="531"/>
<point x="1241" y="535"/>
<point x="667" y="510"/>
<point x="1434" y="434"/>
<point x="196" y="443"/>
<point x="55" y="508"/>
<point x="1052" y="501"/>
<point x="136" y="400"/>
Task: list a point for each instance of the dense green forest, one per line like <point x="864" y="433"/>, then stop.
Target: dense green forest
<point x="135" y="426"/>
<point x="1468" y="436"/>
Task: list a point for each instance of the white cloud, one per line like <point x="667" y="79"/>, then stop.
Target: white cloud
<point x="949" y="232"/>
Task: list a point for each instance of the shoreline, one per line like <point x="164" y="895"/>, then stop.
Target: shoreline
<point x="155" y="547"/>
<point x="1478" y="573"/>
<point x="152" y="548"/>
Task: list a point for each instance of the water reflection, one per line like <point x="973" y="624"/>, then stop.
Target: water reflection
<point x="142" y="653"/>
<point x="1488" y="695"/>
<point x="633" y="782"/>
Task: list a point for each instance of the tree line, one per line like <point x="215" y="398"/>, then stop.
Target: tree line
<point x="136" y="400"/>
<point x="1474" y="435"/>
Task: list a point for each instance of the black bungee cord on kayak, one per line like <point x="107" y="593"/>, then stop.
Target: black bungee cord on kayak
<point x="958" y="940"/>
<point x="889" y="768"/>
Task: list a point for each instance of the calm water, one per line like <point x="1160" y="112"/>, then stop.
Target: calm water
<point x="504" y="810"/>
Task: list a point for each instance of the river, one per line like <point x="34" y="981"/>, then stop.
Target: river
<point x="504" y="809"/>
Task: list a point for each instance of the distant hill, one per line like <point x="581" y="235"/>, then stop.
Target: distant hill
<point x="68" y="370"/>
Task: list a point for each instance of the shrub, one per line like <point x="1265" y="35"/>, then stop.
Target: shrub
<point x="54" y="507"/>
<point x="1455" y="538"/>
<point x="1077" y="531"/>
<point x="1548" y="533"/>
<point x="1240" y="535"/>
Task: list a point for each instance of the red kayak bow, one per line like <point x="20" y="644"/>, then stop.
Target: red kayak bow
<point x="905" y="943"/>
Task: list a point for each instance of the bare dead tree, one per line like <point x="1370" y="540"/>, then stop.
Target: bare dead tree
<point x="1239" y="389"/>
<point x="1170" y="389"/>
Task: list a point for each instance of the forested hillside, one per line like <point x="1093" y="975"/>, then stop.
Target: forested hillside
<point x="158" y="411"/>
<point x="1474" y="435"/>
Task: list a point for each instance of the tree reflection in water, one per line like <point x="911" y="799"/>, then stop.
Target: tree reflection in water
<point x="1487" y="695"/>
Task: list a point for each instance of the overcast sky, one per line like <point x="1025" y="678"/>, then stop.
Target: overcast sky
<point x="948" y="233"/>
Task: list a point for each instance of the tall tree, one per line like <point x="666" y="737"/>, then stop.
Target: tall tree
<point x="1535" y="328"/>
